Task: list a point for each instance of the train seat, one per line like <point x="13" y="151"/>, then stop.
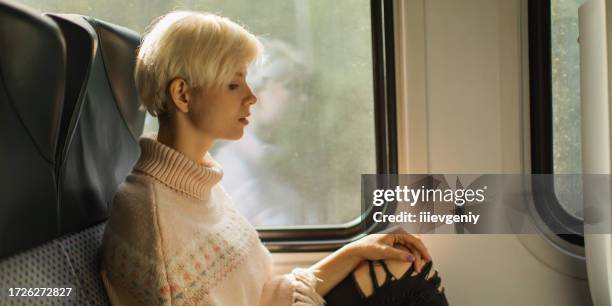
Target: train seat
<point x="32" y="75"/>
<point x="70" y="110"/>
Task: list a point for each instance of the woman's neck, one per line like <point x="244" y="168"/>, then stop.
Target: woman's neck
<point x="186" y="140"/>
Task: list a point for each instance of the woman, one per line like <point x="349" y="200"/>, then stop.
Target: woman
<point x="173" y="236"/>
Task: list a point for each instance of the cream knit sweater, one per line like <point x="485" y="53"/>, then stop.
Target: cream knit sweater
<point x="173" y="238"/>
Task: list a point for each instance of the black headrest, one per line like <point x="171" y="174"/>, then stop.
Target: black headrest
<point x="32" y="75"/>
<point x="102" y="143"/>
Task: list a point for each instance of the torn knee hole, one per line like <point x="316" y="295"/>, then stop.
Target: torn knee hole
<point x="365" y="281"/>
<point x="435" y="280"/>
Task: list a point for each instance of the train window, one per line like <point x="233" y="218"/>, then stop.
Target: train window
<point x="555" y="113"/>
<point x="313" y="130"/>
<point x="567" y="156"/>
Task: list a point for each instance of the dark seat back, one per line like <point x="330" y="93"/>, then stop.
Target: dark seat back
<point x="70" y="134"/>
<point x="32" y="74"/>
<point x="104" y="124"/>
<point x="81" y="46"/>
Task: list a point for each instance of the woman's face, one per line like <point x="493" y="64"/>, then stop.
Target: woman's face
<point x="222" y="113"/>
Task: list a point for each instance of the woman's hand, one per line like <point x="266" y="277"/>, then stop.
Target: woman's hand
<point x="400" y="246"/>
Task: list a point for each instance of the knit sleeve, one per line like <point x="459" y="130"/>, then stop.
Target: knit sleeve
<point x="294" y="289"/>
<point x="131" y="277"/>
<point x="131" y="263"/>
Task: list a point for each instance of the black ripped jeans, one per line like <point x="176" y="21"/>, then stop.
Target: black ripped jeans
<point x="421" y="289"/>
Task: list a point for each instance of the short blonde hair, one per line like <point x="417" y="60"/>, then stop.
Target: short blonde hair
<point x="204" y="49"/>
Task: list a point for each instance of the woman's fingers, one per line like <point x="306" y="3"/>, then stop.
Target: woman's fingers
<point x="398" y="254"/>
<point x="413" y="256"/>
<point x="414" y="243"/>
<point x="419" y="260"/>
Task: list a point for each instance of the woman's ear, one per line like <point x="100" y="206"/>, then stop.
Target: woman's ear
<point x="179" y="94"/>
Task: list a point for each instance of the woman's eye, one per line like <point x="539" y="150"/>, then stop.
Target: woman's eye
<point x="233" y="86"/>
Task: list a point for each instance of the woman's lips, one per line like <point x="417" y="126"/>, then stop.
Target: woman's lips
<point x="244" y="121"/>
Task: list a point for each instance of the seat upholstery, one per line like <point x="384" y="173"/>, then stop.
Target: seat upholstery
<point x="45" y="266"/>
<point x="32" y="74"/>
<point x="82" y="253"/>
<point x="71" y="261"/>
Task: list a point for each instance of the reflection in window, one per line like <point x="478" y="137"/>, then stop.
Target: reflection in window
<point x="567" y="157"/>
<point x="312" y="130"/>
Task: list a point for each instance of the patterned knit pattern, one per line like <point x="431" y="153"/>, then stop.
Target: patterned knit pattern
<point x="174" y="238"/>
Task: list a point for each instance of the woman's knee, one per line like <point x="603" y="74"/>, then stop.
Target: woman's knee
<point x="398" y="269"/>
<point x="362" y="274"/>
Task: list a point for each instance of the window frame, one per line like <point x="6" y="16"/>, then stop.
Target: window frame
<point x="547" y="204"/>
<point x="326" y="237"/>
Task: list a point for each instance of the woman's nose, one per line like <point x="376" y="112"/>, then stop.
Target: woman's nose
<point x="252" y="98"/>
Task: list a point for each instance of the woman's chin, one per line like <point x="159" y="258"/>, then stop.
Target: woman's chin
<point x="234" y="136"/>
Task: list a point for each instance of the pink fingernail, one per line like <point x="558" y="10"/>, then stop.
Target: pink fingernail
<point x="410" y="258"/>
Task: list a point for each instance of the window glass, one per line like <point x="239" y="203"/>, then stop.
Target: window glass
<point x="567" y="157"/>
<point x="311" y="134"/>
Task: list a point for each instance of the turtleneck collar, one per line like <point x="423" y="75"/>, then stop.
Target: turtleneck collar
<point x="176" y="170"/>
